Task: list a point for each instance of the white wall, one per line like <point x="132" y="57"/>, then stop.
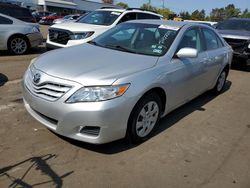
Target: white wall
<point x="89" y="5"/>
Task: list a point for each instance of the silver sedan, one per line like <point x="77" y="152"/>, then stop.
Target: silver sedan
<point x="121" y="83"/>
<point x="18" y="36"/>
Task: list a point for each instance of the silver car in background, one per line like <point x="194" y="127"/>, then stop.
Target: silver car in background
<point x="18" y="36"/>
<point x="121" y="83"/>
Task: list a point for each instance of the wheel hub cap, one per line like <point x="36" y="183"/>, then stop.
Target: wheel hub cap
<point x="147" y="119"/>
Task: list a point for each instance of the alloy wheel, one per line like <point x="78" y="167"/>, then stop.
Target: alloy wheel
<point x="18" y="45"/>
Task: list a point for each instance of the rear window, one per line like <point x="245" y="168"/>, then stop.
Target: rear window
<point x="100" y="17"/>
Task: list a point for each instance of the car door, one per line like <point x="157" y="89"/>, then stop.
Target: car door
<point x="5" y="24"/>
<point x="216" y="56"/>
<point x="188" y="73"/>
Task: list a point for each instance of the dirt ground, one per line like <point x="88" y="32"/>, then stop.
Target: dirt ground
<point x="205" y="143"/>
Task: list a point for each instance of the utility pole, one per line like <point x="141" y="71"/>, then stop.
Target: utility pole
<point x="149" y="2"/>
<point x="163" y="4"/>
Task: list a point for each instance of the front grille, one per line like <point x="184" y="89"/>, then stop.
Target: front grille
<point x="238" y="45"/>
<point x="91" y="131"/>
<point x="46" y="90"/>
<point x="59" y="36"/>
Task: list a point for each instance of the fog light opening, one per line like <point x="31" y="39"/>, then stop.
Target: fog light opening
<point x="89" y="130"/>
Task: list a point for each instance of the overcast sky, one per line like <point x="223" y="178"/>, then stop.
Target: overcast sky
<point x="189" y="5"/>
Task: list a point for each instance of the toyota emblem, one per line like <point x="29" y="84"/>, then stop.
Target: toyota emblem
<point x="36" y="78"/>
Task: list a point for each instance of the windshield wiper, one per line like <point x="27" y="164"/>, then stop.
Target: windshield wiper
<point x="120" y="48"/>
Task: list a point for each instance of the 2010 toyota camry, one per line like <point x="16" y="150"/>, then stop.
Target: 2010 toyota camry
<point x="121" y="83"/>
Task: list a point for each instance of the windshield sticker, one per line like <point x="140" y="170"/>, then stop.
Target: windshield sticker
<point x="116" y="13"/>
<point x="169" y="27"/>
<point x="165" y="37"/>
<point x="158" y="51"/>
<point x="153" y="46"/>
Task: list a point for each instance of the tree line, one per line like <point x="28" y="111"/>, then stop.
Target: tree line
<point x="216" y="15"/>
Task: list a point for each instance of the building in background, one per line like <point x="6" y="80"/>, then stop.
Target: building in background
<point x="66" y="6"/>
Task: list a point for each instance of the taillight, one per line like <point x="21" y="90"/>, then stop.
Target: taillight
<point x="33" y="19"/>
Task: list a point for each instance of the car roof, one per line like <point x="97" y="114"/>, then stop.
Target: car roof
<point x="241" y="19"/>
<point x="129" y="10"/>
<point x="172" y="23"/>
<point x="112" y="9"/>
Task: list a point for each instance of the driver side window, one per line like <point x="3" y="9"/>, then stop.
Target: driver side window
<point x="191" y="39"/>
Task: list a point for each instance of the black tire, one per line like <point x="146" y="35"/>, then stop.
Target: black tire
<point x="133" y="132"/>
<point x="18" y="45"/>
<point x="220" y="83"/>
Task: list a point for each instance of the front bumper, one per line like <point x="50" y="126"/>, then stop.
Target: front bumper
<point x="68" y="119"/>
<point x="35" y="39"/>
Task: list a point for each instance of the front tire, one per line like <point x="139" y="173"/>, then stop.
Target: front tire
<point x="18" y="45"/>
<point x="144" y="118"/>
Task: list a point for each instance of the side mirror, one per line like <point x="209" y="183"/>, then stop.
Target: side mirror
<point x="187" y="53"/>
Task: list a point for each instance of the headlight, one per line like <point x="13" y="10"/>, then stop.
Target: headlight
<point x="32" y="69"/>
<point x="32" y="61"/>
<point x="35" y="30"/>
<point x="98" y="93"/>
<point x="79" y="36"/>
<point x="249" y="45"/>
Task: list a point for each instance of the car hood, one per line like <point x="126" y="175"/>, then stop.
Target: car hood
<point x="235" y="34"/>
<point x="92" y="65"/>
<point x="78" y="27"/>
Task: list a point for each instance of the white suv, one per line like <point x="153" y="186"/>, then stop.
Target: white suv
<point x="92" y="25"/>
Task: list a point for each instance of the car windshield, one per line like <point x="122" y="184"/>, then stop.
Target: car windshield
<point x="147" y="39"/>
<point x="100" y="17"/>
<point x="67" y="17"/>
<point x="234" y="25"/>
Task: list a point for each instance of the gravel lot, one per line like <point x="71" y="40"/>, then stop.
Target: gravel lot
<point x="205" y="143"/>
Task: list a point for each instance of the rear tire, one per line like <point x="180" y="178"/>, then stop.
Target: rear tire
<point x="18" y="45"/>
<point x="144" y="118"/>
<point x="220" y="84"/>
